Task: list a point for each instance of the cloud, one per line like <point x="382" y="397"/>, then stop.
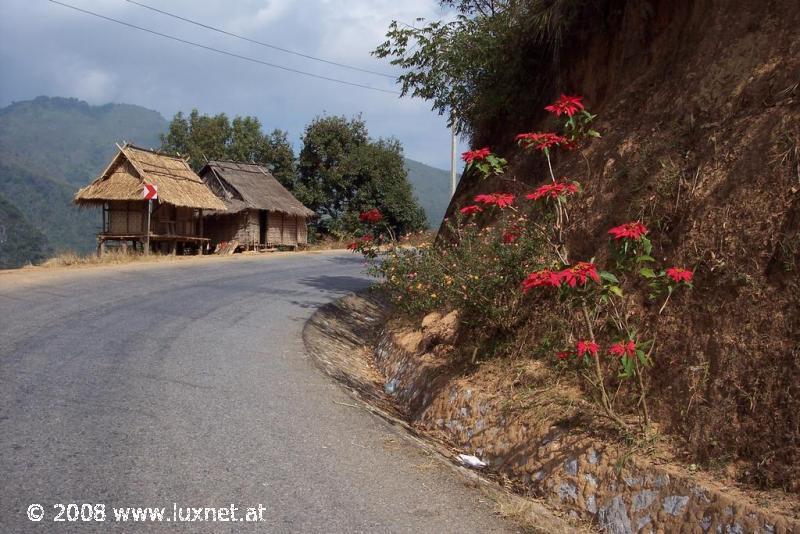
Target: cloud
<point x="48" y="49"/>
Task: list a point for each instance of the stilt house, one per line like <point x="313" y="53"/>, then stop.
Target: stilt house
<point x="176" y="222"/>
<point x="260" y="212"/>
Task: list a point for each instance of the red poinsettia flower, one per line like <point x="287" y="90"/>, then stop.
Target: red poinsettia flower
<point x="563" y="355"/>
<point x="555" y="190"/>
<point x="543" y="278"/>
<point x="623" y="348"/>
<point x="509" y="237"/>
<point x="542" y="141"/>
<point x="470" y="210"/>
<point x="579" y="273"/>
<point x="566" y="104"/>
<point x="679" y="274"/>
<point x="476" y="155"/>
<point x="587" y="347"/>
<point x="372" y="216"/>
<point x="353" y="246"/>
<point x="501" y="200"/>
<point x="632" y="230"/>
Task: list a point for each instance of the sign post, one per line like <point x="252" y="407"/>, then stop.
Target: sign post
<point x="150" y="193"/>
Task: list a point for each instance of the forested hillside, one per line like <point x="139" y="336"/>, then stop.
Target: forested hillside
<point x="49" y="147"/>
<point x="432" y="189"/>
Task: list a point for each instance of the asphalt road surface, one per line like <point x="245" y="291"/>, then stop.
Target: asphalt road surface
<point x="184" y="385"/>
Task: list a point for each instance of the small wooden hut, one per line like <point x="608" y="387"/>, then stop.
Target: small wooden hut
<point x="176" y="222"/>
<point x="260" y="213"/>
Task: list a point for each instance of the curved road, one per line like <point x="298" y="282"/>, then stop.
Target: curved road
<point x="186" y="382"/>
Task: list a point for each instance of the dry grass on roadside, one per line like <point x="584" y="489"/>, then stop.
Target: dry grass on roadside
<point x="113" y="257"/>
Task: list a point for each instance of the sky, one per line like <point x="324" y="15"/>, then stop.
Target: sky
<point x="48" y="49"/>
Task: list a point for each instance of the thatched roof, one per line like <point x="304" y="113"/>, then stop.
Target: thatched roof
<point x="123" y="179"/>
<point x="244" y="186"/>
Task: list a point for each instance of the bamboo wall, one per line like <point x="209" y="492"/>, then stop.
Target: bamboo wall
<point x="130" y="218"/>
<point x="244" y="227"/>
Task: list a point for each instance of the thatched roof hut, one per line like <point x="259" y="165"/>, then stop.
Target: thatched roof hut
<point x="260" y="211"/>
<point x="176" y="220"/>
<point x="124" y="177"/>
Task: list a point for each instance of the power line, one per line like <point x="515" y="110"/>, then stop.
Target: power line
<point x="223" y="52"/>
<point x="249" y="40"/>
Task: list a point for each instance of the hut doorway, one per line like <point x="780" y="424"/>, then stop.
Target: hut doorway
<point x="262" y="227"/>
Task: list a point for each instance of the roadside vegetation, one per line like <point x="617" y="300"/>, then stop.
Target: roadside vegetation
<point x="655" y="265"/>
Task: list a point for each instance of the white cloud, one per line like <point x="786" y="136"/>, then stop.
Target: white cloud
<point x="50" y="50"/>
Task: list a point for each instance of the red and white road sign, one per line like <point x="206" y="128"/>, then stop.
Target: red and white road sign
<point x="150" y="192"/>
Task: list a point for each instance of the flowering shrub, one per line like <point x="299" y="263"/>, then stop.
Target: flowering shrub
<point x="494" y="275"/>
<point x="484" y="161"/>
<point x="501" y="200"/>
<point x="372" y="216"/>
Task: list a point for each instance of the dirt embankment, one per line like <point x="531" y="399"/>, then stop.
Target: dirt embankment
<point x="699" y="108"/>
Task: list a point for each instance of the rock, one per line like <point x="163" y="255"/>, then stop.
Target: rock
<point x="567" y="491"/>
<point x="614" y="517"/>
<point x="430" y="319"/>
<point x="591" y="504"/>
<point x="643" y="499"/>
<point x="675" y="504"/>
<point x="391" y="386"/>
<point x="571" y="466"/>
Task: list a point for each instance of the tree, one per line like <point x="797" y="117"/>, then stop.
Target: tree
<point x="493" y="61"/>
<point x="203" y="137"/>
<point x="342" y="172"/>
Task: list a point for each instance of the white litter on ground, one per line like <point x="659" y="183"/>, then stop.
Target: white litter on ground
<point x="471" y="461"/>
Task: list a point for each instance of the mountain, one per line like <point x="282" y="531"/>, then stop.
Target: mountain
<point x="48" y="148"/>
<point x="20" y="242"/>
<point x="432" y="189"/>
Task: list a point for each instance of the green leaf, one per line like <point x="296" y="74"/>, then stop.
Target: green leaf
<point x="645" y="257"/>
<point x="648" y="246"/>
<point x="593" y="133"/>
<point x="609" y="277"/>
<point x="647" y="272"/>
<point x="616" y="290"/>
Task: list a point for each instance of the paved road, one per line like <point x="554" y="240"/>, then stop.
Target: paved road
<point x="186" y="382"/>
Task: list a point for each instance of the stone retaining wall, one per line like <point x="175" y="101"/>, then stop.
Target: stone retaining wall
<point x="572" y="471"/>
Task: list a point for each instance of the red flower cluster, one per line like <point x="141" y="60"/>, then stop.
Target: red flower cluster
<point x="545" y="278"/>
<point x="355" y="245"/>
<point x="573" y="276"/>
<point x="473" y="155"/>
<point x="372" y="216"/>
<point x="509" y="237"/>
<point x="678" y="274"/>
<point x="632" y="230"/>
<point x="555" y="190"/>
<point x="566" y="104"/>
<point x="470" y="210"/>
<point x="586" y="347"/>
<point x="541" y="141"/>
<point x="501" y="200"/>
<point x="623" y="348"/>
<point x="579" y="273"/>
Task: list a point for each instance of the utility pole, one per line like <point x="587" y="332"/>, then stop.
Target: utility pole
<point x="453" y="158"/>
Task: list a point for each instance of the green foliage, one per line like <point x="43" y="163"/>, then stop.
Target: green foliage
<point x="51" y="146"/>
<point x="206" y="137"/>
<point x="342" y="172"/>
<point x="20" y="242"/>
<point x="495" y="60"/>
<point x="479" y="272"/>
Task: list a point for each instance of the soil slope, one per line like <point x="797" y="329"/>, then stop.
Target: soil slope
<point x="699" y="107"/>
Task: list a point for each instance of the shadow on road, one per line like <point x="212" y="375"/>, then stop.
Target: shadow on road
<point x="335" y="284"/>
